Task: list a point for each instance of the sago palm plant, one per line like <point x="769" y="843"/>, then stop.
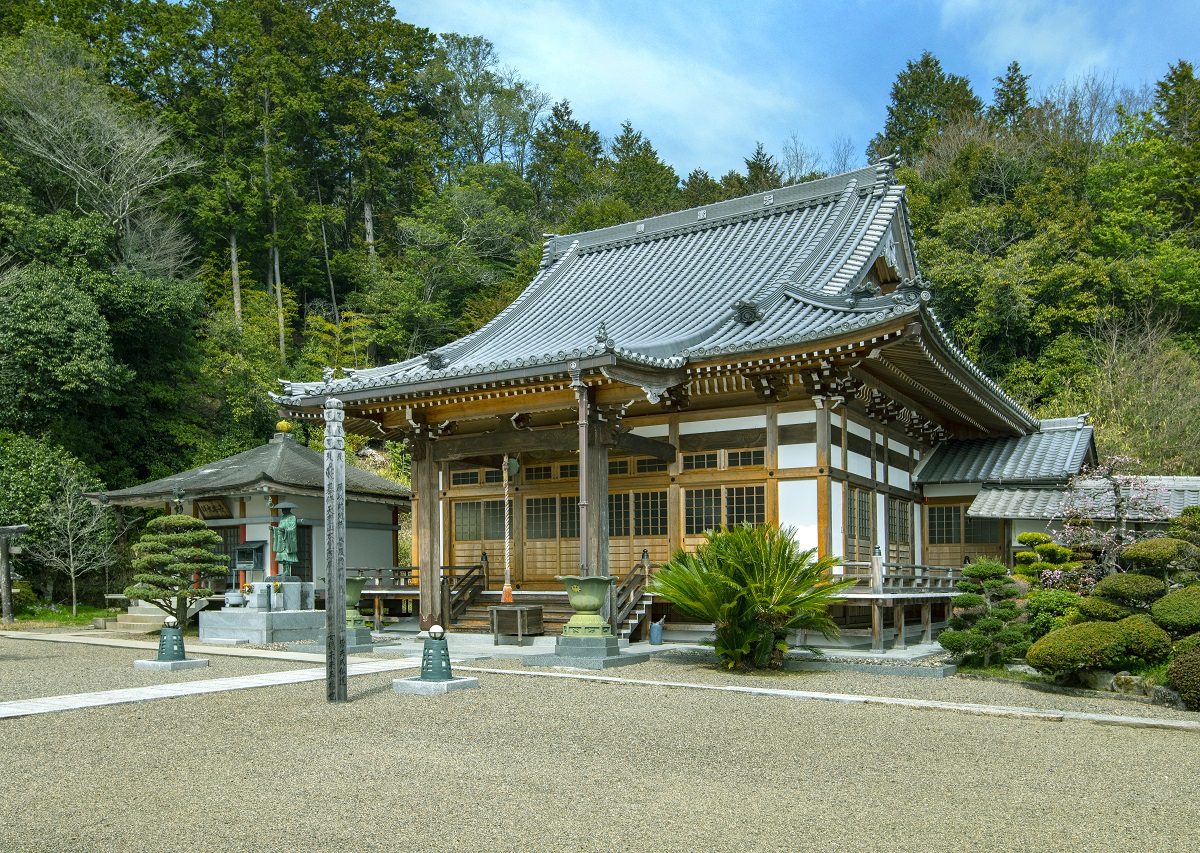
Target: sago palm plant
<point x="754" y="584"/>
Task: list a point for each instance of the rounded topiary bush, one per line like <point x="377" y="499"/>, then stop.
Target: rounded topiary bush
<point x="1055" y="602"/>
<point x="1144" y="639"/>
<point x="1049" y="552"/>
<point x="1179" y="611"/>
<point x="1136" y="590"/>
<point x="1155" y="556"/>
<point x="1184" y="673"/>
<point x="1092" y="645"/>
<point x="1189" y="644"/>
<point x="1024" y="558"/>
<point x="1101" y="609"/>
<point x="1033" y="539"/>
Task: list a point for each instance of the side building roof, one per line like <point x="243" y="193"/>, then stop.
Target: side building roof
<point x="282" y="462"/>
<point x="1057" y="451"/>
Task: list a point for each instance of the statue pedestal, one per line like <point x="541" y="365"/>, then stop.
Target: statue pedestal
<point x="587" y="653"/>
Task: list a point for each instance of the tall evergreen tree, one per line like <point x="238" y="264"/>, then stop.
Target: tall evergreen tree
<point x="924" y="99"/>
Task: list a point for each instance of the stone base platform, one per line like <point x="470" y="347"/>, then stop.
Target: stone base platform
<point x="358" y="642"/>
<point x="261" y="626"/>
<point x="170" y="665"/>
<point x="587" y="653"/>
<point x="414" y="684"/>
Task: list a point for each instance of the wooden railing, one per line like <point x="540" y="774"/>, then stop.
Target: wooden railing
<point x="461" y="586"/>
<point x="387" y="577"/>
<point x="901" y="577"/>
<point x="624" y="596"/>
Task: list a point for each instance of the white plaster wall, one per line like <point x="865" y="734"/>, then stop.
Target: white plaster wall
<point x="808" y="416"/>
<point x="723" y="425"/>
<point x="798" y="455"/>
<point x="835" y="419"/>
<point x="881" y="521"/>
<point x="858" y="464"/>
<point x="653" y="430"/>
<point x="798" y="509"/>
<point x="857" y="429"/>
<point x="896" y="477"/>
<point x="897" y="446"/>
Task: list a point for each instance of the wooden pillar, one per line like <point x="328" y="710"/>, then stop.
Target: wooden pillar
<point x="927" y="623"/>
<point x="825" y="545"/>
<point x="674" y="492"/>
<point x="898" y="620"/>
<point x="427" y="517"/>
<point x="876" y="626"/>
<point x="594" y="457"/>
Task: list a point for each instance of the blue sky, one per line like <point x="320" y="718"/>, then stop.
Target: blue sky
<point x="705" y="80"/>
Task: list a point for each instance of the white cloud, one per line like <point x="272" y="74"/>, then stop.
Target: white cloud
<point x="683" y="79"/>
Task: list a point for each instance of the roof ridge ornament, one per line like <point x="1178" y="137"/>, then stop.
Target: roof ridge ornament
<point x="911" y="292"/>
<point x="435" y="360"/>
<point x="885" y="173"/>
<point x="746" y="311"/>
<point x="602" y="337"/>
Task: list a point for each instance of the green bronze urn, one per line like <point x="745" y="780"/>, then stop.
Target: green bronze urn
<point x="354" y="588"/>
<point x="586" y="595"/>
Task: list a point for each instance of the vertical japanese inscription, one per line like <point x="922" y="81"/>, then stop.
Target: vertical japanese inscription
<point x="335" y="552"/>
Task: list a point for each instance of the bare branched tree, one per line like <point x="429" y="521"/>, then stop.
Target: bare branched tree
<point x="800" y="161"/>
<point x="841" y="154"/>
<point x="80" y="537"/>
<point x="57" y="108"/>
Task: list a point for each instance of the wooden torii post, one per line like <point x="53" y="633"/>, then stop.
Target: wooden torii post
<point x="6" y="596"/>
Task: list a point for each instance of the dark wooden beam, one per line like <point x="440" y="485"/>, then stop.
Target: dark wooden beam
<point x="644" y="446"/>
<point x="458" y="447"/>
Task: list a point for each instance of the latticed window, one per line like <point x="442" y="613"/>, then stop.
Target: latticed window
<point x="745" y="505"/>
<point x="618" y="515"/>
<point x="701" y="510"/>
<point x="464" y="478"/>
<point x="649" y="513"/>
<point x="468" y="521"/>
<point x="568" y="516"/>
<point x="744" y="458"/>
<point x="493" y="519"/>
<point x="697" y="461"/>
<point x="981" y="531"/>
<point x="539" y="472"/>
<point x="541" y="518"/>
<point x="493" y="475"/>
<point x="899" y="529"/>
<point x="618" y="466"/>
<point x="568" y="471"/>
<point x="864" y="515"/>
<point x="945" y="525"/>
<point x="650" y="466"/>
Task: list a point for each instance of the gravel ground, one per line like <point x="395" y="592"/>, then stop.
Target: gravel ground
<point x="30" y="669"/>
<point x="696" y="669"/>
<point x="538" y="764"/>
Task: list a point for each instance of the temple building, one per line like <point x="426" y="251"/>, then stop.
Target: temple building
<point x="772" y="358"/>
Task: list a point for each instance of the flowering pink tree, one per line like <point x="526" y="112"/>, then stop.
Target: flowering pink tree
<point x="1100" y="503"/>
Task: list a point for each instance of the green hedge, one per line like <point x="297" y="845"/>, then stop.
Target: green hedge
<point x="1144" y="639"/>
<point x="1092" y="645"/>
<point x="1154" y="556"/>
<point x="1055" y="602"/>
<point x="1189" y="644"/>
<point x="1135" y="590"/>
<point x="1032" y="539"/>
<point x="1179" y="611"/>
<point x="1184" y="673"/>
<point x="1101" y="609"/>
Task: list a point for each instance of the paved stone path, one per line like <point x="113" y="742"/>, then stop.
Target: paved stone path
<point x="50" y="704"/>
